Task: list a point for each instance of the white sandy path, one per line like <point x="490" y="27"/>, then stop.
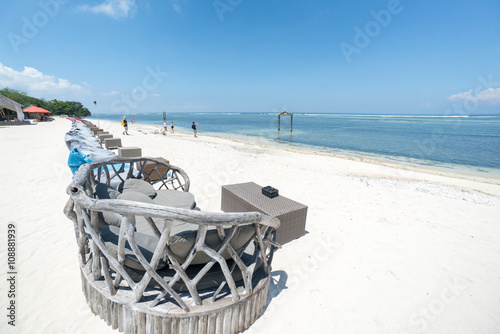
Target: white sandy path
<point x="388" y="250"/>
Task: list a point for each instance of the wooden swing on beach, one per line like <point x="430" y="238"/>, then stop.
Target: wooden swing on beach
<point x="285" y="113"/>
<point x="147" y="267"/>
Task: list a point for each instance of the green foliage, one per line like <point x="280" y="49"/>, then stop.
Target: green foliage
<point x="24" y="99"/>
<point x="70" y="108"/>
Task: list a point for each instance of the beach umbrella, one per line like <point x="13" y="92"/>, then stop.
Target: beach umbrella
<point x="37" y="110"/>
<point x="7" y="103"/>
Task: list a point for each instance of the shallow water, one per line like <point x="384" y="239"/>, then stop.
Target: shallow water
<point x="471" y="141"/>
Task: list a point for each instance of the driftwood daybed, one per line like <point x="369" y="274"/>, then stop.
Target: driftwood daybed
<point x="150" y="267"/>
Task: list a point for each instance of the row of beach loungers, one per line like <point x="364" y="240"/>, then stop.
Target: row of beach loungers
<point x="85" y="142"/>
<point x="150" y="260"/>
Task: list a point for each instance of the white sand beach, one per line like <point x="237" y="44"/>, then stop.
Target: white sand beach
<point x="389" y="248"/>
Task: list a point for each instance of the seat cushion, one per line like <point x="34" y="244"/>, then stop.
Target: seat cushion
<point x="103" y="191"/>
<point x="136" y="196"/>
<point x="146" y="243"/>
<point x="174" y="198"/>
<point x="183" y="238"/>
<point x="137" y="186"/>
<point x="212" y="279"/>
<point x="112" y="218"/>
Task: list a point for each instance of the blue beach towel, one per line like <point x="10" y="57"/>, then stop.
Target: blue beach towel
<point x="76" y="159"/>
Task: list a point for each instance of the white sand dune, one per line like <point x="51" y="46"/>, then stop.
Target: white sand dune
<point x="388" y="249"/>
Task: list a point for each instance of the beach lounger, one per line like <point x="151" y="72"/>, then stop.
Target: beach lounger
<point x="81" y="138"/>
<point x="150" y="263"/>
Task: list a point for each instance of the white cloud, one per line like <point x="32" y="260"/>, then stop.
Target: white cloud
<point x="176" y="5"/>
<point x="116" y="9"/>
<point x="490" y="96"/>
<point x="38" y="84"/>
<point x="112" y="93"/>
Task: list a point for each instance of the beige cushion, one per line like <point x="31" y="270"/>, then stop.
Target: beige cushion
<point x="146" y="243"/>
<point x="184" y="238"/>
<point x="111" y="218"/>
<point x="213" y="278"/>
<point x="181" y="241"/>
<point x="114" y="219"/>
<point x="174" y="198"/>
<point x="103" y="191"/>
<point x="136" y="196"/>
<point x="137" y="186"/>
<point x="141" y="223"/>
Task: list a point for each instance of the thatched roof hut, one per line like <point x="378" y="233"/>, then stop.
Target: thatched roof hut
<point x="7" y="103"/>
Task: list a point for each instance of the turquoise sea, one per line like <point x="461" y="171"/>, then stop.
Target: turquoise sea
<point x="471" y="141"/>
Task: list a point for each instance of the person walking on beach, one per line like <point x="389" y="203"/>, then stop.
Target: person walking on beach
<point x="172" y="126"/>
<point x="125" y="125"/>
<point x="164" y="127"/>
<point x="194" y="128"/>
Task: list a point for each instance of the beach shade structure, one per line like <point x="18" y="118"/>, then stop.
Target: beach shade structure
<point x="37" y="112"/>
<point x="151" y="262"/>
<point x="10" y="104"/>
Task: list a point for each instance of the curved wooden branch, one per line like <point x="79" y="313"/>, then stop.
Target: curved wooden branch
<point x="106" y="253"/>
<point x="153" y="210"/>
<point x="133" y="245"/>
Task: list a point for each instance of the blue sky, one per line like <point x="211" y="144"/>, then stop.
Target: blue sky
<point x="362" y="57"/>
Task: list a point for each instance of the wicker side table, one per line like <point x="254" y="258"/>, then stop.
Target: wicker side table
<point x="129" y="152"/>
<point x="152" y="174"/>
<point x="245" y="197"/>
<point x="112" y="143"/>
<point x="103" y="136"/>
